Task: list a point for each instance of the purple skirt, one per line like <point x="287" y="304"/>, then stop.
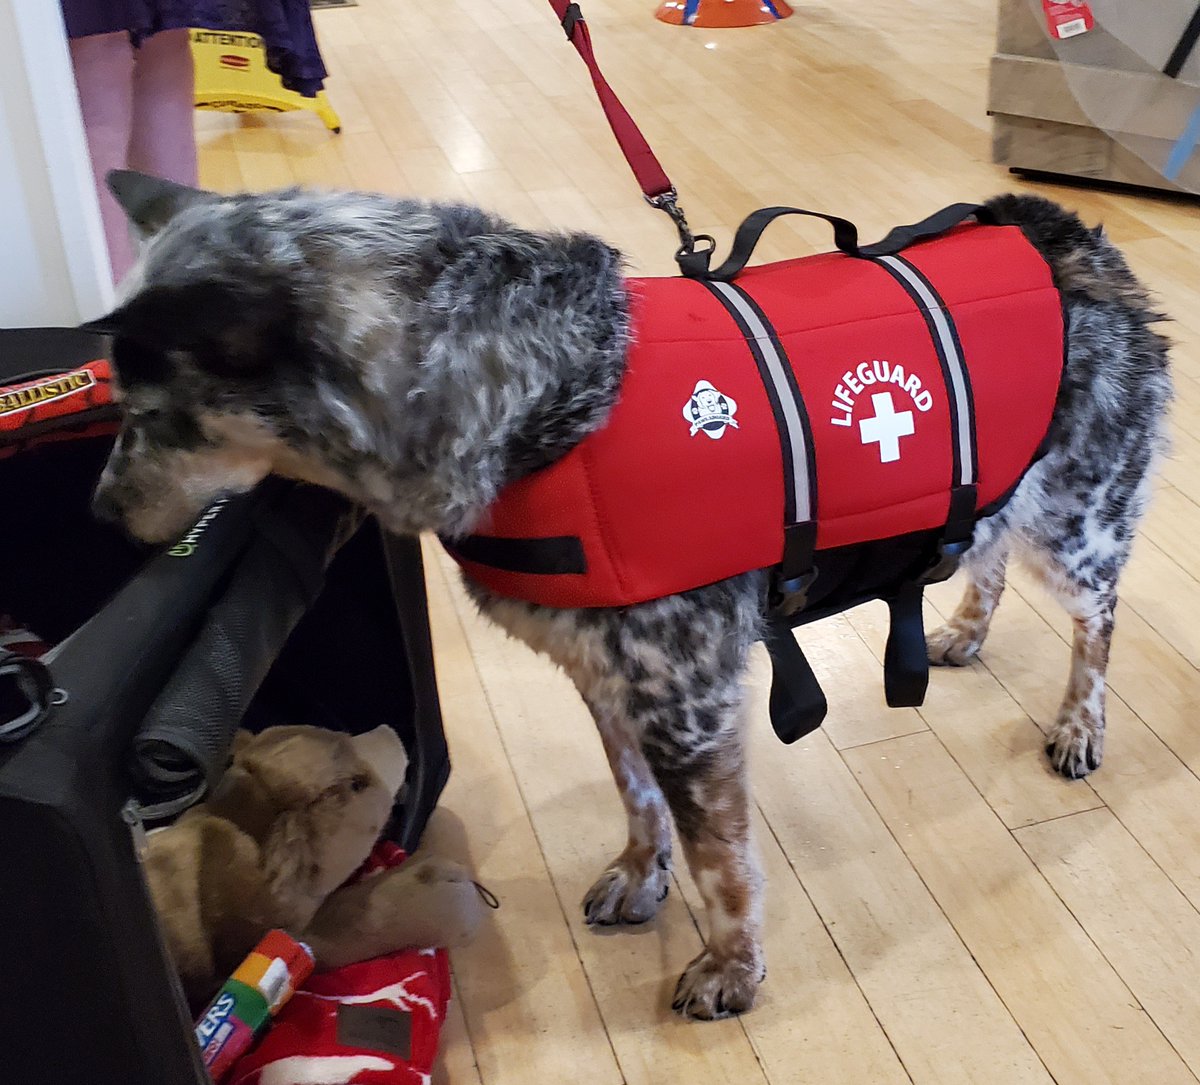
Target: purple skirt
<point x="284" y="25"/>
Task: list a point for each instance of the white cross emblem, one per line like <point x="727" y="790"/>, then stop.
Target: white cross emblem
<point x="887" y="427"/>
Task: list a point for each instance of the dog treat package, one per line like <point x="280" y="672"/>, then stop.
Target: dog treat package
<point x="373" y="1023"/>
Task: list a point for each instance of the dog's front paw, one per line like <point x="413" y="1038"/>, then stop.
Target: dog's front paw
<point x="712" y="987"/>
<point x="1076" y="748"/>
<point x="629" y="891"/>
<point x="952" y="645"/>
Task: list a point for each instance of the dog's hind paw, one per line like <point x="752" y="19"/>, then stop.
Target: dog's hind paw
<point x="952" y="646"/>
<point x="1075" y="749"/>
<point x="711" y="988"/>
<point x="629" y="891"/>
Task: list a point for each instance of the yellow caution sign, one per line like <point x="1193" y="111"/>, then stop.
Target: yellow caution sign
<point x="232" y="77"/>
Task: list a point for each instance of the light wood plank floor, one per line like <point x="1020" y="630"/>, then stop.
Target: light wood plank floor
<point x="941" y="907"/>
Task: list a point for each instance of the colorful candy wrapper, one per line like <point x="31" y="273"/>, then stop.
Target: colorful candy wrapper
<point x="243" y="1008"/>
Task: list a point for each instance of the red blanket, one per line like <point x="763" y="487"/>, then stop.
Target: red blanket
<point x="372" y="1023"/>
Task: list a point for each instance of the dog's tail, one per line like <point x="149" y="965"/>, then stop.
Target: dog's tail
<point x="1082" y="260"/>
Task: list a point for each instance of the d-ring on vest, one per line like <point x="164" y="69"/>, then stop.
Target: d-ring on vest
<point x="841" y="420"/>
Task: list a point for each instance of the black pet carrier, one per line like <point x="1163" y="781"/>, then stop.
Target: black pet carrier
<point x="124" y="673"/>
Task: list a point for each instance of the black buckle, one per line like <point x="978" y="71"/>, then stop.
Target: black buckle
<point x="570" y="17"/>
<point x="790" y="596"/>
<point x="946" y="562"/>
<point x="957" y="535"/>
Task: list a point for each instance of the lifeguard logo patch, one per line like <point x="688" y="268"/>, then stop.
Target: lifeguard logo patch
<point x="709" y="411"/>
<point x="888" y="421"/>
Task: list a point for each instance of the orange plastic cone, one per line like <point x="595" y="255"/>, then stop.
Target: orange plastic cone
<point x="722" y="13"/>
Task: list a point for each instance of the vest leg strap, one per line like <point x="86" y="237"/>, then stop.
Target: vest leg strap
<point x="798" y="704"/>
<point x="905" y="663"/>
<point x="957" y="535"/>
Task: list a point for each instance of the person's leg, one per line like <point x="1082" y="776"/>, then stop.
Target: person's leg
<point x="163" y="141"/>
<point x="103" y="66"/>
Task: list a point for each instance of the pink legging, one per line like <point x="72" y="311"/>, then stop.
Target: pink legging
<point x="138" y="113"/>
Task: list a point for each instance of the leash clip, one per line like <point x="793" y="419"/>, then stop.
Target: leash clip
<point x="692" y="262"/>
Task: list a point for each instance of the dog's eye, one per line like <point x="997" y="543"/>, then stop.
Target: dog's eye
<point x="360" y="782"/>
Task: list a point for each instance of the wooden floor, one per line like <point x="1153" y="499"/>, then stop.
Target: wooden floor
<point x="941" y="908"/>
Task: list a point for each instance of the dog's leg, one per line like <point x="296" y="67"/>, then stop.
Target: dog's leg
<point x="1076" y="745"/>
<point x="955" y="643"/>
<point x="663" y="680"/>
<point x="636" y="882"/>
<point x="1077" y="548"/>
<point x="705" y="783"/>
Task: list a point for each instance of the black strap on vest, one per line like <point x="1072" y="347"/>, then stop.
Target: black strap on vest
<point x="798" y="704"/>
<point x="548" y="556"/>
<point x="958" y="532"/>
<point x="1183" y="48"/>
<point x="845" y="238"/>
<point x="905" y="661"/>
<point x="796" y="571"/>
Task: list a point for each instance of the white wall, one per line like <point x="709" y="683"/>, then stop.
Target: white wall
<point x="53" y="262"/>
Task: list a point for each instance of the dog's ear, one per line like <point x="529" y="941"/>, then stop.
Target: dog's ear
<point x="151" y="202"/>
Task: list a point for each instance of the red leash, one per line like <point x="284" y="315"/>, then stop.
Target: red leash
<point x="651" y="177"/>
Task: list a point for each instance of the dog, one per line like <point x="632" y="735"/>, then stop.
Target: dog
<point x="418" y="357"/>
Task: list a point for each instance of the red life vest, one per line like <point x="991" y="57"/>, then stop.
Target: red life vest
<point x="823" y="402"/>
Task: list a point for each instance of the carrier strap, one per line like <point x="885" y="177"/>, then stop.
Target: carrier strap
<point x="845" y="237"/>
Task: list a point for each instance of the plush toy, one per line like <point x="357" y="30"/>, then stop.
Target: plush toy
<point x="298" y="812"/>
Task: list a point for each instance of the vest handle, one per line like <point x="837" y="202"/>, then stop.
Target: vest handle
<point x="695" y="265"/>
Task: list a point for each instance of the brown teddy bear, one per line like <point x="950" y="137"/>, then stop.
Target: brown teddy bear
<point x="296" y="814"/>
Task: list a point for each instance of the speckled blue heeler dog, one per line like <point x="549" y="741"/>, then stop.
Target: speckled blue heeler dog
<point x="418" y="357"/>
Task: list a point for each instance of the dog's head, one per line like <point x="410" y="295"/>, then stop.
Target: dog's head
<point x="192" y="341"/>
<point x="245" y="342"/>
<point x="315" y="800"/>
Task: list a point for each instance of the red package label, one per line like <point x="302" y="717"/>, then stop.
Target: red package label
<point x="1069" y="19"/>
